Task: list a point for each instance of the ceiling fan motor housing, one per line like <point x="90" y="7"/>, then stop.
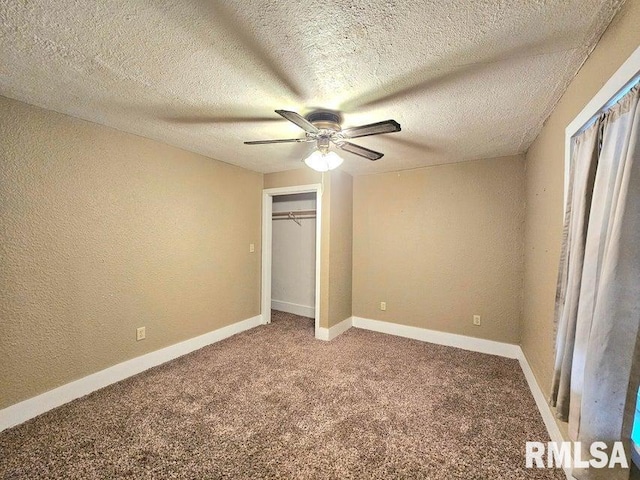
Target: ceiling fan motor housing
<point x="323" y="119"/>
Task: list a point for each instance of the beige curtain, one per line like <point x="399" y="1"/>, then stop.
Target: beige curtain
<point x="584" y="160"/>
<point x="604" y="367"/>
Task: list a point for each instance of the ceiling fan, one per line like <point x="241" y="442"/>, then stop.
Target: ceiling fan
<point x="323" y="127"/>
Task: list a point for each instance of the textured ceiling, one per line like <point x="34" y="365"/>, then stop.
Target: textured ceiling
<point x="466" y="80"/>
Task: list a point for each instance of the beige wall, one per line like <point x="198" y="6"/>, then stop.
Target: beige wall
<point x="289" y="178"/>
<point x="341" y="247"/>
<point x="104" y="231"/>
<point x="440" y="244"/>
<point x="335" y="266"/>
<point x="544" y="189"/>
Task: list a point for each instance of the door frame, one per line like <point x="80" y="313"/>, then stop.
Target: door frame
<point x="267" y="242"/>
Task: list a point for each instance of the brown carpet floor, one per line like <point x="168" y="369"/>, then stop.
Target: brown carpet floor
<point x="273" y="402"/>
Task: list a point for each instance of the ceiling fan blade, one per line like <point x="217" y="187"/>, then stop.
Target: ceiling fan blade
<point x="358" y="150"/>
<point x="299" y="120"/>
<point x="388" y="126"/>
<point x="213" y="119"/>
<point x="287" y="140"/>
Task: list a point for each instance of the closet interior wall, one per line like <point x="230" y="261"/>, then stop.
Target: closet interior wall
<point x="293" y="254"/>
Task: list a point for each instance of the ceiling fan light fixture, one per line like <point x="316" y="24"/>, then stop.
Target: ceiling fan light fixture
<point x="323" y="162"/>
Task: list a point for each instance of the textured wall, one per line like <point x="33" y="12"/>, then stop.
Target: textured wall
<point x="544" y="189"/>
<point x="441" y="244"/>
<point x="341" y="247"/>
<point x="293" y="261"/>
<point x="102" y="232"/>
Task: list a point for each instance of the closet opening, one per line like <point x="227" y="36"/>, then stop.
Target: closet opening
<point x="291" y="253"/>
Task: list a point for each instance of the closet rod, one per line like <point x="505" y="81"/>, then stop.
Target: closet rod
<point x="295" y="212"/>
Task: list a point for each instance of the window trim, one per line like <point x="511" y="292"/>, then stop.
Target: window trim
<point x="617" y="86"/>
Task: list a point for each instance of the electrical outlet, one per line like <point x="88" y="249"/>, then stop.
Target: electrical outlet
<point x="141" y="333"/>
<point x="252" y="248"/>
<point x="383" y="306"/>
<point x="476" y="320"/>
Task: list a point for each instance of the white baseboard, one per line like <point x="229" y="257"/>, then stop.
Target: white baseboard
<point x="441" y="338"/>
<point x="331" y="333"/>
<point x="543" y="406"/>
<point x="541" y="401"/>
<point x="32" y="407"/>
<point x="294" y="308"/>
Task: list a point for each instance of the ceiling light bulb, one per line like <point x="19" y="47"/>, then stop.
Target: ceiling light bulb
<point x="323" y="162"/>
